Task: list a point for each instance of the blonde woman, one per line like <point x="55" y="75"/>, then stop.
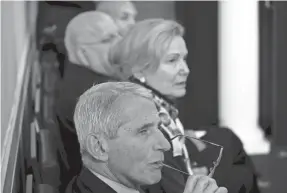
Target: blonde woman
<point x="153" y="55"/>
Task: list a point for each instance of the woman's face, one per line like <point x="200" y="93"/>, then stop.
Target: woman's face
<point x="170" y="77"/>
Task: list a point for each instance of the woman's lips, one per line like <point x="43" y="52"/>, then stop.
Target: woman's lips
<point x="182" y="84"/>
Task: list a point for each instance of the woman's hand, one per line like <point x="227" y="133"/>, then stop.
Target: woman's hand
<point x="202" y="184"/>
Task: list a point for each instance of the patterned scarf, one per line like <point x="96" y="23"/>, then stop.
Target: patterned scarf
<point x="170" y="124"/>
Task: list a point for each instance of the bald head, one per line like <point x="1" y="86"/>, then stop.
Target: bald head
<point x="88" y="38"/>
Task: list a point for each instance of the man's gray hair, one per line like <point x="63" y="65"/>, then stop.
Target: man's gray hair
<point x="98" y="110"/>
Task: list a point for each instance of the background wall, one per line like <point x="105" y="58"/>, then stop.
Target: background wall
<point x="199" y="107"/>
<point x="17" y="26"/>
<point x="155" y="9"/>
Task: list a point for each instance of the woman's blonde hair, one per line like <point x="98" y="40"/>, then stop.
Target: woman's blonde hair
<point x="142" y="48"/>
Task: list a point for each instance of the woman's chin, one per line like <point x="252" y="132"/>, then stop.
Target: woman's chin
<point x="174" y="94"/>
<point x="179" y="94"/>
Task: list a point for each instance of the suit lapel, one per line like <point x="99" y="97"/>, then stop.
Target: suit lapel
<point x="89" y="183"/>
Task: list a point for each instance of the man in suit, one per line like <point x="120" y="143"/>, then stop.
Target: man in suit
<point x="121" y="145"/>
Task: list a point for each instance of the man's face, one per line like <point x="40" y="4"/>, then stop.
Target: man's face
<point x="135" y="156"/>
<point x="97" y="52"/>
<point x="125" y="17"/>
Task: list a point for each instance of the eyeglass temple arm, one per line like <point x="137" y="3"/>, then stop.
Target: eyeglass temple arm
<point x="168" y="166"/>
<point x="216" y="163"/>
<point x="197" y="139"/>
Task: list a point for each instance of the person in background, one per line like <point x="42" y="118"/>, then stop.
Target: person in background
<point x="88" y="38"/>
<point x="123" y="13"/>
<point x="121" y="145"/>
<point x="52" y="20"/>
<point x="153" y="55"/>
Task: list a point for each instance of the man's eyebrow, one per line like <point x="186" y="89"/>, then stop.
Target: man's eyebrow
<point x="145" y="126"/>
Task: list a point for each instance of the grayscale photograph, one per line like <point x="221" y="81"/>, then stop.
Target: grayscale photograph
<point x="144" y="96"/>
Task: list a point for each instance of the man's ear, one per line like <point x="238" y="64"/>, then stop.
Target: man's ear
<point x="82" y="55"/>
<point x="97" y="146"/>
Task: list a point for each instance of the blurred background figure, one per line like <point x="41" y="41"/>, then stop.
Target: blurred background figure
<point x="56" y="15"/>
<point x="88" y="39"/>
<point x="123" y="12"/>
<point x="222" y="89"/>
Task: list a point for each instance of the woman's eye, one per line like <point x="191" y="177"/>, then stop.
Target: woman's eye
<point x="172" y="60"/>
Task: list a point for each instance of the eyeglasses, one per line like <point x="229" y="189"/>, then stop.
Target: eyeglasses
<point x="191" y="139"/>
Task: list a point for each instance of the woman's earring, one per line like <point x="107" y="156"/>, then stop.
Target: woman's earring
<point x="142" y="79"/>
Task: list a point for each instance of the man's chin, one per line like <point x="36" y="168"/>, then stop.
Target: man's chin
<point x="151" y="181"/>
<point x="154" y="178"/>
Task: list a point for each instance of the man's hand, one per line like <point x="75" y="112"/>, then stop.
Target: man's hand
<point x="202" y="184"/>
<point x="200" y="170"/>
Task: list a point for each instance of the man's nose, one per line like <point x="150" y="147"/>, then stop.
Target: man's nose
<point x="162" y="143"/>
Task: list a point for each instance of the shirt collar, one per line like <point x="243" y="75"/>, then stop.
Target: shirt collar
<point x="119" y="188"/>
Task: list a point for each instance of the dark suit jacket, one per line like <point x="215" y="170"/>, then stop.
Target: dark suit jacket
<point x="77" y="79"/>
<point x="87" y="182"/>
